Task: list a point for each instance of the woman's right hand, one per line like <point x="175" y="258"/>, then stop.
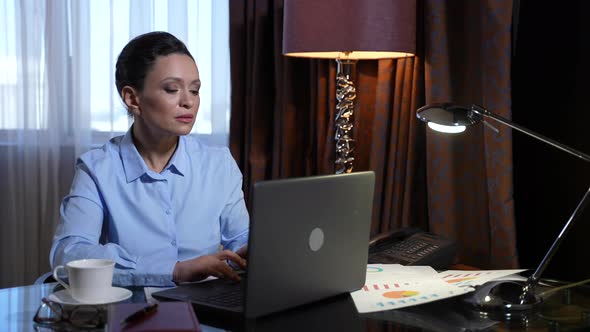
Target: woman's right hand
<point x="210" y="265"/>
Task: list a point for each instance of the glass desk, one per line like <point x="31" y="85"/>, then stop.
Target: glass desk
<point x="566" y="310"/>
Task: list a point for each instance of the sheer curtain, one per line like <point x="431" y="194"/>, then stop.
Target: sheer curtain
<point x="58" y="99"/>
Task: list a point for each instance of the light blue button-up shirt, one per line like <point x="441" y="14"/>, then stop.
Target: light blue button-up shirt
<point x="146" y="221"/>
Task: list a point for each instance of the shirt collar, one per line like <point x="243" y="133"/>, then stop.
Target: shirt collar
<point x="134" y="165"/>
<point x="178" y="163"/>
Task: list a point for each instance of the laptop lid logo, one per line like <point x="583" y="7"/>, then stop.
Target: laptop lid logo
<point x="316" y="239"/>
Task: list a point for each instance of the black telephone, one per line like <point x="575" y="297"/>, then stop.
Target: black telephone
<point x="411" y="246"/>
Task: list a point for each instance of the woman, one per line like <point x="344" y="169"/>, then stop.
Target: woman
<point x="156" y="201"/>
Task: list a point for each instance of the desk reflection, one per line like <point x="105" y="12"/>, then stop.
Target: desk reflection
<point x="443" y="316"/>
<point x="18" y="305"/>
<point x="565" y="310"/>
<point x="336" y="314"/>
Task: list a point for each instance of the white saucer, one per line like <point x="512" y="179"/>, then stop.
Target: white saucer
<point x="116" y="294"/>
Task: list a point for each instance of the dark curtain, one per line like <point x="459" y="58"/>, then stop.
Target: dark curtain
<point x="467" y="53"/>
<point x="283" y="110"/>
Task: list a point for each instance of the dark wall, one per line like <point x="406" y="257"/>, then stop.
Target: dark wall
<point x="551" y="67"/>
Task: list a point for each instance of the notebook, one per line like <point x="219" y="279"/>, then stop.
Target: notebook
<point x="168" y="316"/>
<point x="308" y="241"/>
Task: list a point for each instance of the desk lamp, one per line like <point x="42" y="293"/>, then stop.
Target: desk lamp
<point x="507" y="296"/>
<point x="348" y="30"/>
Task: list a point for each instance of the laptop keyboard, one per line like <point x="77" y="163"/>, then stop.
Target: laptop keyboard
<point x="230" y="298"/>
<point x="223" y="293"/>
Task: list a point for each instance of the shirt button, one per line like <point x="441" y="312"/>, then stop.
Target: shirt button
<point x="168" y="211"/>
<point x="173" y="242"/>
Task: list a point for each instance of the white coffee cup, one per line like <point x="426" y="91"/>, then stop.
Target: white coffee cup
<point x="90" y="280"/>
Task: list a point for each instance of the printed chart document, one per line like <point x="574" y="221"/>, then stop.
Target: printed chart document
<point x="393" y="286"/>
<point x="462" y="278"/>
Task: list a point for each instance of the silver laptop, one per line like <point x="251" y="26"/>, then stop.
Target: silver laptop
<point x="308" y="241"/>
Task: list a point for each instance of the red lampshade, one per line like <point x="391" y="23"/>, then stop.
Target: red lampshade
<point x="349" y="29"/>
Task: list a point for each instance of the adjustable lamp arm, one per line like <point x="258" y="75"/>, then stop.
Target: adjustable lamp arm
<point x="452" y="118"/>
<point x="484" y="112"/>
<point x="534" y="278"/>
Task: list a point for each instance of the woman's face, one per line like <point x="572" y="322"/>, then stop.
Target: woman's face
<point x="169" y="102"/>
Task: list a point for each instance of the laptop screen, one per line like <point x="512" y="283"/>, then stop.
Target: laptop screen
<point x="308" y="239"/>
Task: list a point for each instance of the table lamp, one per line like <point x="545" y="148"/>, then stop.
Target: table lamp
<point x="348" y="30"/>
<point x="506" y="296"/>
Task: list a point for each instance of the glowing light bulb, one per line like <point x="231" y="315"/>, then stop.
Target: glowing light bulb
<point x="446" y="129"/>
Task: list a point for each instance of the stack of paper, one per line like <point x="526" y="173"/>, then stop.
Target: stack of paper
<point x="392" y="286"/>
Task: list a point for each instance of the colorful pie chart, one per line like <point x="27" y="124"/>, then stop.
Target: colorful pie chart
<point x="400" y="294"/>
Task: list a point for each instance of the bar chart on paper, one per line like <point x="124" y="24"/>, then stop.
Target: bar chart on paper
<point x="474" y="278"/>
<point x="396" y="290"/>
<point x="384" y="295"/>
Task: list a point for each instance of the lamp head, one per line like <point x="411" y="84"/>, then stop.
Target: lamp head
<point x="447" y="117"/>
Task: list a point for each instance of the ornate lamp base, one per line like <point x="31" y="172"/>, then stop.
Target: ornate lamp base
<point x="345" y="97"/>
